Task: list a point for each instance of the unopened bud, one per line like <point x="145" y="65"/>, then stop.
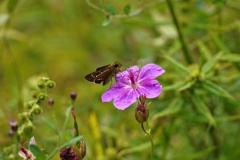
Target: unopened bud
<point x="37" y="109"/>
<point x="34" y="94"/>
<point x="29" y="127"/>
<point x="32" y="141"/>
<point x="73" y="113"/>
<point x="41" y="96"/>
<point x="11" y="133"/>
<point x="73" y="95"/>
<point x="82" y="149"/>
<point x="51" y="102"/>
<point x="41" y="84"/>
<point x="68" y="153"/>
<point x="141" y="112"/>
<point x="23" y="117"/>
<point x="44" y="79"/>
<point x="13" y="124"/>
<point x="141" y="115"/>
<point x="29" y="104"/>
<point x="51" y="84"/>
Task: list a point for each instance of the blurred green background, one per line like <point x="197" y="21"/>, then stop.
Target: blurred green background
<point x="67" y="39"/>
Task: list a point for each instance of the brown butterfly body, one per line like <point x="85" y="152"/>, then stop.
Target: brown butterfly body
<point x="104" y="74"/>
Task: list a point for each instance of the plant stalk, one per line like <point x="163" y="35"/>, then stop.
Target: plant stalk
<point x="187" y="56"/>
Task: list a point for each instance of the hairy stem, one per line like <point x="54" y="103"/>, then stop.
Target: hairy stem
<point x="150" y="137"/>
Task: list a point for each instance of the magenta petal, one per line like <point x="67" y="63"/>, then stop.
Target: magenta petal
<point x="150" y="71"/>
<point x="126" y="98"/>
<point x="151" y="88"/>
<point x="123" y="77"/>
<point x="112" y="92"/>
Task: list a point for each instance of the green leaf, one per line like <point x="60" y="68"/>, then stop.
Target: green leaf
<point x="204" y="51"/>
<point x="178" y="66"/>
<point x="209" y="65"/>
<point x="37" y="152"/>
<point x="137" y="148"/>
<point x="172" y="108"/>
<point x="106" y="22"/>
<point x="231" y="58"/>
<point x="72" y="141"/>
<point x="68" y="111"/>
<point x="127" y="9"/>
<point x="51" y="125"/>
<point x="187" y="85"/>
<point x="11" y="5"/>
<point x="173" y="86"/>
<point x="203" y="109"/>
<point x="218" y="42"/>
<point x="216" y="89"/>
<point x="112" y="10"/>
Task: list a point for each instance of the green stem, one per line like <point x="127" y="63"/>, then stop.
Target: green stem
<point x="219" y="19"/>
<point x="150" y="137"/>
<point x="76" y="127"/>
<point x="187" y="56"/>
<point x="95" y="7"/>
<point x="57" y="148"/>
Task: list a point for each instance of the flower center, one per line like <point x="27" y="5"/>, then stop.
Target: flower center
<point x="134" y="85"/>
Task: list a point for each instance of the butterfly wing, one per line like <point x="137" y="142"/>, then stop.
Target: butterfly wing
<point x="104" y="74"/>
<point x="100" y="75"/>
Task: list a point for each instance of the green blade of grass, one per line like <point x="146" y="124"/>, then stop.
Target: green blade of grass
<point x="203" y="109"/>
<point x="172" y="108"/>
<point x="72" y="141"/>
<point x="216" y="89"/>
<point x="178" y="66"/>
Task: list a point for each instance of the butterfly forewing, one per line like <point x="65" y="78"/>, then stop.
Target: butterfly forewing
<point x="104" y="74"/>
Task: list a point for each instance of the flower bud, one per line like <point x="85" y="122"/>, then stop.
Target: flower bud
<point x="25" y="153"/>
<point x="51" y="84"/>
<point x="73" y="95"/>
<point x="13" y="124"/>
<point x="37" y="109"/>
<point x="41" y="84"/>
<point x="34" y="94"/>
<point x="141" y="112"/>
<point x="68" y="153"/>
<point x="23" y="117"/>
<point x="29" y="127"/>
<point x="51" y="102"/>
<point x="73" y="113"/>
<point x="41" y="96"/>
<point x="11" y="133"/>
<point x="74" y="132"/>
<point x="44" y="79"/>
<point x="82" y="149"/>
<point x="32" y="141"/>
<point x="29" y="104"/>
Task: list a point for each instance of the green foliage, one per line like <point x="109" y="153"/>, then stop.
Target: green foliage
<point x="72" y="141"/>
<point x="127" y="9"/>
<point x="195" y="117"/>
<point x="12" y="5"/>
<point x="37" y="152"/>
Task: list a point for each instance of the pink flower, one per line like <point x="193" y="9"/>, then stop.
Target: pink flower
<point x="131" y="84"/>
<point x="25" y="153"/>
